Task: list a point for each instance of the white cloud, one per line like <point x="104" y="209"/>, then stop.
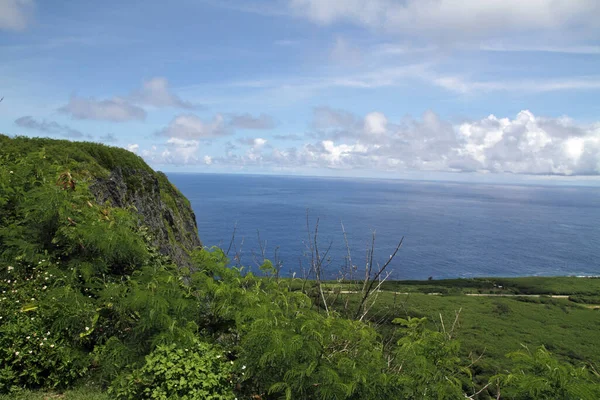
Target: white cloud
<point x="15" y="15"/>
<point x="176" y="151"/>
<point x="133" y="147"/>
<point x="156" y="92"/>
<point x="450" y="18"/>
<point x="191" y="127"/>
<point x="259" y="143"/>
<point x="116" y="109"/>
<point x="208" y="160"/>
<point x="375" y="123"/>
<point x="526" y="144"/>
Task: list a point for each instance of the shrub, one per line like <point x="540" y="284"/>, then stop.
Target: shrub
<point x="198" y="372"/>
<point x="31" y="353"/>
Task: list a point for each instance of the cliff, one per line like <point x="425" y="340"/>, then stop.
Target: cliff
<point x="119" y="178"/>
<point x="163" y="208"/>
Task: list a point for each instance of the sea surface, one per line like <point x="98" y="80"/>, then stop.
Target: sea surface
<point x="450" y="229"/>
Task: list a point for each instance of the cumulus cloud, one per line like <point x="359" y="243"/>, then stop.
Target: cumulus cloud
<point x="15" y="15"/>
<point x="51" y="127"/>
<point x="375" y="123"/>
<point x="255" y="143"/>
<point x="247" y="121"/>
<point x="156" y="92"/>
<point x="525" y="144"/>
<point x="191" y="127"/>
<point x="447" y="18"/>
<point x="116" y="109"/>
<point x="133" y="147"/>
<point x="176" y="151"/>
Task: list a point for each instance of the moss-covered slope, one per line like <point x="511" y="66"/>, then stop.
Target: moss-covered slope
<point x="119" y="178"/>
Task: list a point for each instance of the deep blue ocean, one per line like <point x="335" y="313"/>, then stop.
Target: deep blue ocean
<point x="450" y="229"/>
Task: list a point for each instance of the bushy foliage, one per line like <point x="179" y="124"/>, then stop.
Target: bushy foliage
<point x="31" y="353"/>
<point x="427" y="363"/>
<point x="539" y="375"/>
<point x="198" y="372"/>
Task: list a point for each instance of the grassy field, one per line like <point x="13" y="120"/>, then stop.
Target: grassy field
<point x="494" y="325"/>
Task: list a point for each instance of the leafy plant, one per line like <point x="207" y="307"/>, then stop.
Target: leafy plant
<point x="198" y="372"/>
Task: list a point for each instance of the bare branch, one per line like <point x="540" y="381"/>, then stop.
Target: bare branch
<point x="232" y="239"/>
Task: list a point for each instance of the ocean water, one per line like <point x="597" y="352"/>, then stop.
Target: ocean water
<point x="450" y="229"/>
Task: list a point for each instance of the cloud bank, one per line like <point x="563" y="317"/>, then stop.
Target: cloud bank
<point x="524" y="144"/>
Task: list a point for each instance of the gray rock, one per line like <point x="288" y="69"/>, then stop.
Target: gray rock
<point x="163" y="209"/>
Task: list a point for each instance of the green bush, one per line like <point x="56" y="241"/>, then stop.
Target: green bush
<point x="538" y="375"/>
<point x="198" y="372"/>
<point x="32" y="354"/>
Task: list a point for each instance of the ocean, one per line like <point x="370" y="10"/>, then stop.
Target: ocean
<point x="450" y="230"/>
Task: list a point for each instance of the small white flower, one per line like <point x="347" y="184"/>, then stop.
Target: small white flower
<point x="87" y="328"/>
<point x="51" y="345"/>
<point x="243" y="367"/>
<point x="16" y="353"/>
<point x="27" y="337"/>
<point x="11" y="172"/>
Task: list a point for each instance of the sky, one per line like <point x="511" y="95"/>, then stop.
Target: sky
<point x="487" y="90"/>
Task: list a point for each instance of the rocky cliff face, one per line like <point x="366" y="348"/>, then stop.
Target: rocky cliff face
<point x="165" y="211"/>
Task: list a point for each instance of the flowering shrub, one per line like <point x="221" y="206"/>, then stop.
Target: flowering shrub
<point x="198" y="372"/>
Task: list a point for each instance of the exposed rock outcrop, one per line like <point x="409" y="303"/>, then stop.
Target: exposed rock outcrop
<point x="165" y="211"/>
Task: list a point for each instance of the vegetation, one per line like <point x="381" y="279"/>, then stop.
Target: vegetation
<point x="88" y="302"/>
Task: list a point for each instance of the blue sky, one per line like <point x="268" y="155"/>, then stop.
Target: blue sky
<point x="473" y="90"/>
